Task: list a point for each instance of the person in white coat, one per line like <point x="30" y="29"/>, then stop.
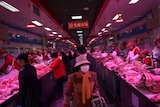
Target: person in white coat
<point x="156" y="52"/>
<point x="39" y="57"/>
<point x="133" y="53"/>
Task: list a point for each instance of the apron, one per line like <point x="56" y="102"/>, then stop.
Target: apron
<point x="9" y="67"/>
<point x="131" y="54"/>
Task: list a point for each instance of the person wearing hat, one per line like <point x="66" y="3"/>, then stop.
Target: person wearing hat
<point x="9" y="62"/>
<point x="133" y="53"/>
<point x="59" y="73"/>
<point x="147" y="60"/>
<point x="81" y="50"/>
<point x="28" y="95"/>
<point x="156" y="51"/>
<point x="82" y="84"/>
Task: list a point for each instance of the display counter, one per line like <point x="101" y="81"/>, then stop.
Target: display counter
<point x="123" y="93"/>
<point x="46" y="85"/>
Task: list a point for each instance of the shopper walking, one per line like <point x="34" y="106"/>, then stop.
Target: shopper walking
<point x="28" y="89"/>
<point x="59" y="73"/>
<point x="82" y="84"/>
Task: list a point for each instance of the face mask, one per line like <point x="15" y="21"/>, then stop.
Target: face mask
<point x="84" y="68"/>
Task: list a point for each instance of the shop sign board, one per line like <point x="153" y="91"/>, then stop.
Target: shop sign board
<point x="78" y="24"/>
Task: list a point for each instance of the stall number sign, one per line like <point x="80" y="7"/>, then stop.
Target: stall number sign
<point x="78" y="25"/>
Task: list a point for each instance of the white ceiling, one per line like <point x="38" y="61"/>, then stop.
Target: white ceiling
<point x="129" y="12"/>
<point x="25" y="15"/>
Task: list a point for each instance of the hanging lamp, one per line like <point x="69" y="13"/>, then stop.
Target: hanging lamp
<point x="119" y="19"/>
<point x="30" y="25"/>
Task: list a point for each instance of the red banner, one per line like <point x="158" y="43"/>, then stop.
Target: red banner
<point x="78" y="25"/>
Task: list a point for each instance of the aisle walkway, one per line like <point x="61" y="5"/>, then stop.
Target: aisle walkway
<point x="59" y="102"/>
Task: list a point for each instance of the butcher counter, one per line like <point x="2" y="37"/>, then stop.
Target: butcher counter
<point x="121" y="92"/>
<point x="46" y="85"/>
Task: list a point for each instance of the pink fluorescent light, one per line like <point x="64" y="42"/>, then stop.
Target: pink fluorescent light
<point x="50" y="35"/>
<point x="119" y="20"/>
<point x="30" y="26"/>
<point x="105" y="31"/>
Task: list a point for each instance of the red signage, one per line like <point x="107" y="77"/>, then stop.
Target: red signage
<point x="78" y="25"/>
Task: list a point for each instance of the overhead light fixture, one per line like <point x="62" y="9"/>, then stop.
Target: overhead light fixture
<point x="79" y="31"/>
<point x="80" y="34"/>
<point x="37" y="23"/>
<point x="109" y="24"/>
<point x="99" y="33"/>
<point x="8" y="6"/>
<point x="116" y="16"/>
<point x="133" y="1"/>
<point x="103" y="29"/>
<point x="86" y="8"/>
<point x="81" y="40"/>
<point x="47" y="28"/>
<point x="60" y="36"/>
<point x="119" y="19"/>
<point x="76" y="17"/>
<point x="31" y="25"/>
<point x="55" y="33"/>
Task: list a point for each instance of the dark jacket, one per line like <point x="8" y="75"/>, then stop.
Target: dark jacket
<point x="93" y="64"/>
<point x="28" y="96"/>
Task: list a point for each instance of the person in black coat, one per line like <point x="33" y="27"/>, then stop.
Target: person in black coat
<point x="82" y="51"/>
<point x="28" y="96"/>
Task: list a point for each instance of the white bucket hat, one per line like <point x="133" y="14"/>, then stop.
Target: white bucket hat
<point x="81" y="60"/>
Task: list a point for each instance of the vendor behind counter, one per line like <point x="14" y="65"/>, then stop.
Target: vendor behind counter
<point x="133" y="53"/>
<point x="156" y="52"/>
<point x="8" y="63"/>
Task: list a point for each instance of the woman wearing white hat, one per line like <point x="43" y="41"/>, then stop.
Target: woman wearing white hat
<point x="82" y="84"/>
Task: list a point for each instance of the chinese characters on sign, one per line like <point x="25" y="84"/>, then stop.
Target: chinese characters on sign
<point x="78" y="25"/>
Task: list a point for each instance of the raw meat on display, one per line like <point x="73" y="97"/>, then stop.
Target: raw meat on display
<point x="156" y="98"/>
<point x="9" y="83"/>
<point x="156" y="71"/>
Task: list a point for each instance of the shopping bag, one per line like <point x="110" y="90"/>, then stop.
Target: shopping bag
<point x="98" y="101"/>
